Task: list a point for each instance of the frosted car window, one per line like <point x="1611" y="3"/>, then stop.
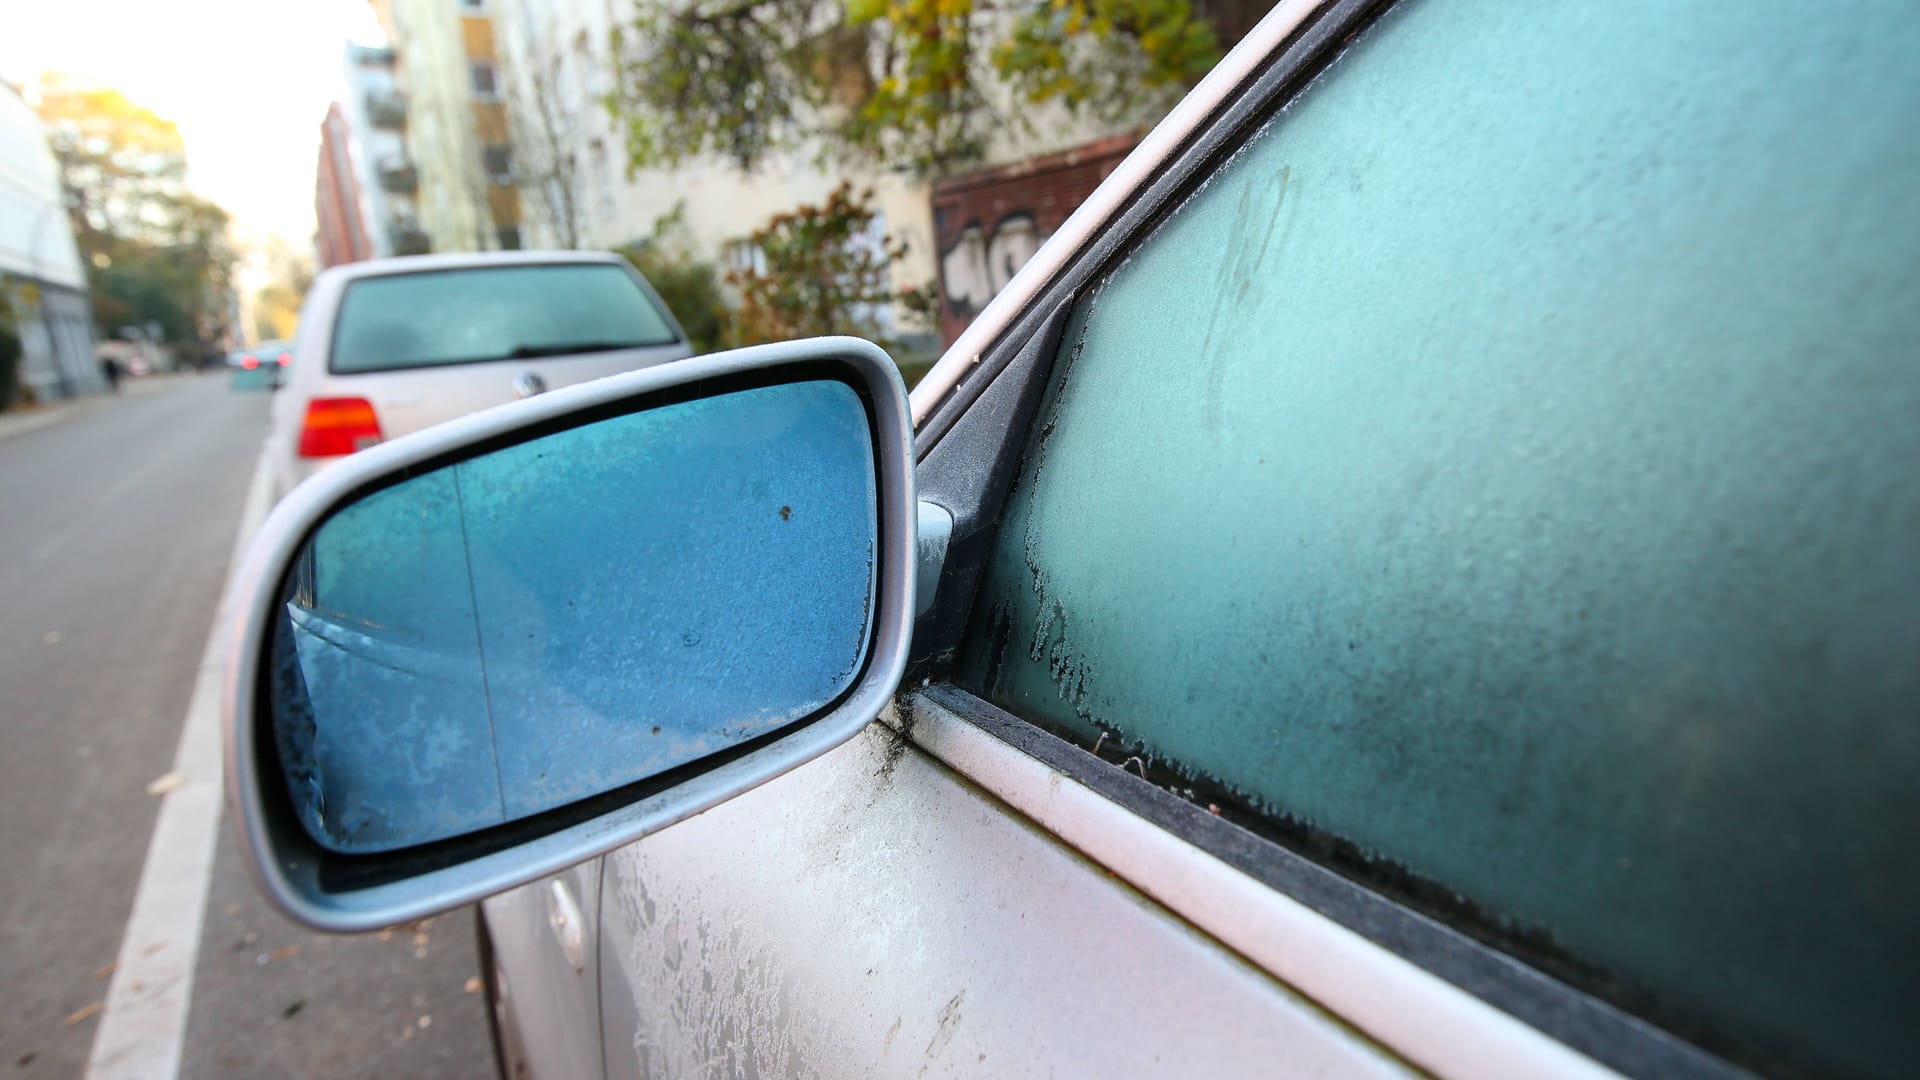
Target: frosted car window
<point x="516" y="312"/>
<point x="1505" y="475"/>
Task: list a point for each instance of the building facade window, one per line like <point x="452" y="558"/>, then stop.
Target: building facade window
<point x="486" y="84"/>
<point x="509" y="236"/>
<point x="497" y="160"/>
<point x="745" y="256"/>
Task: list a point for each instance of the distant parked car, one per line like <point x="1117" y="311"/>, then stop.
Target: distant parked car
<point x="265" y="354"/>
<point x="393" y="346"/>
<point x="261" y="367"/>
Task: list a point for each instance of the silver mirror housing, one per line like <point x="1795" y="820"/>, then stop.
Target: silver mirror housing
<point x="329" y="888"/>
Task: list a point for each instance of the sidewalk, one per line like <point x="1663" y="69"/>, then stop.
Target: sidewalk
<point x="20" y="420"/>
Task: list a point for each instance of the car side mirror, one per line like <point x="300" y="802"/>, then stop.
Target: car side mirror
<point x="473" y="656"/>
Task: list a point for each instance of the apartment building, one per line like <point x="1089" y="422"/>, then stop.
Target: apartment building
<point x="457" y="135"/>
<point x="365" y="182"/>
<point x="966" y="234"/>
<point x="341" y="233"/>
<point x="376" y="110"/>
<point x="43" y="282"/>
<point x="555" y="64"/>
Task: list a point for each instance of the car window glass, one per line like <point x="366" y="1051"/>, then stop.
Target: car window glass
<point x="1499" y="480"/>
<point x="493" y="313"/>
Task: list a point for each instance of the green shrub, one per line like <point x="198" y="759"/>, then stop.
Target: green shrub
<point x="824" y="272"/>
<point x="687" y="285"/>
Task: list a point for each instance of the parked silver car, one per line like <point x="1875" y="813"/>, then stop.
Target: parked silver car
<point x="391" y="346"/>
<point x="1415" y="577"/>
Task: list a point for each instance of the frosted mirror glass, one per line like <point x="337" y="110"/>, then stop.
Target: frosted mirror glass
<point x="569" y="615"/>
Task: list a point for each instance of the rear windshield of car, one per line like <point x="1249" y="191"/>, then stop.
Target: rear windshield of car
<point x="469" y="316"/>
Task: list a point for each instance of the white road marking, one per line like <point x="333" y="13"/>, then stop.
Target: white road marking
<point x="57" y="542"/>
<point x="144" y="1026"/>
<point x="128" y="481"/>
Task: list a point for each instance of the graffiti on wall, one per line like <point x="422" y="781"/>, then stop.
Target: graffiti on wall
<point x="988" y="224"/>
<point x="981" y="264"/>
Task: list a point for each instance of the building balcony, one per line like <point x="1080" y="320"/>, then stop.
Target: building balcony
<point x="387" y="109"/>
<point x="397" y="175"/>
<point x="407" y="237"/>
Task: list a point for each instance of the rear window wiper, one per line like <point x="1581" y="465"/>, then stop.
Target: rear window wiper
<point x="526" y="352"/>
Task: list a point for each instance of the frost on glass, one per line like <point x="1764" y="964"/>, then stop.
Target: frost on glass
<point x="431" y="318"/>
<point x="1506" y="473"/>
<point x="556" y="619"/>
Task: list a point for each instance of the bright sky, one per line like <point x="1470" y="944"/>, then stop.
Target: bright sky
<point x="247" y="81"/>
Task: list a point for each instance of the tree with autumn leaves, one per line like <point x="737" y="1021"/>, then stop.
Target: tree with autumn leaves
<point x="155" y="252"/>
<point x="825" y="272"/>
<point x="915" y="86"/>
<point x="920" y="85"/>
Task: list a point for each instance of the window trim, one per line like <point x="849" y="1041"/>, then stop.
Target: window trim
<point x="984" y="393"/>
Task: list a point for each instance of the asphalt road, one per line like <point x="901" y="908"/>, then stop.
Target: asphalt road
<point x="116" y="529"/>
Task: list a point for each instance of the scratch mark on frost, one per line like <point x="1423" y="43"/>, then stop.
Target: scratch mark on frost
<point x="949" y="1022"/>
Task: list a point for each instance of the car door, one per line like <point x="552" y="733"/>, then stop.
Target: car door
<point x="1426" y="587"/>
<point x="540" y="941"/>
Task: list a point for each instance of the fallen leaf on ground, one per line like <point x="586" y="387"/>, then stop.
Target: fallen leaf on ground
<point x="83" y="1013"/>
<point x="106" y="969"/>
<point x="164" y="783"/>
<point x="282" y="954"/>
<point x="473" y="984"/>
<point x="290" y="1011"/>
<point x="154" y="948"/>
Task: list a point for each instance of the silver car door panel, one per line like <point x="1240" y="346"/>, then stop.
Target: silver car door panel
<point x="549" y="994"/>
<point x="874" y="914"/>
<point x="1285" y="914"/>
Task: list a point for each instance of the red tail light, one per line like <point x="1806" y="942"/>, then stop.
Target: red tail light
<point x="336" y="426"/>
<point x="283" y="359"/>
<point x="249" y="362"/>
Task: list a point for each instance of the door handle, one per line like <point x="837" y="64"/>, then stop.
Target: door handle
<point x="569" y="929"/>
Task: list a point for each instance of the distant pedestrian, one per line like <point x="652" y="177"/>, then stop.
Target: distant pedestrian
<point x="111" y="372"/>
